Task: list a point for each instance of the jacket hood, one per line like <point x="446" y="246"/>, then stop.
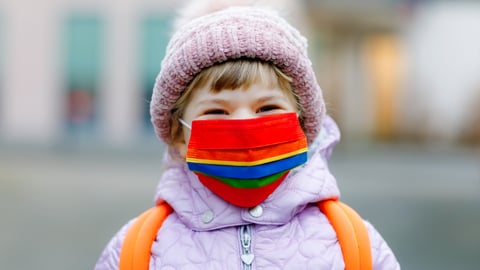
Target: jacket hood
<point x="201" y="210"/>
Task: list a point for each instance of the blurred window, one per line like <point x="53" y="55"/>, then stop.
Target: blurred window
<point x="82" y="63"/>
<point x="155" y="32"/>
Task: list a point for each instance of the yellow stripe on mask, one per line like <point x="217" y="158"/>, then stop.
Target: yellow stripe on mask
<point x="246" y="163"/>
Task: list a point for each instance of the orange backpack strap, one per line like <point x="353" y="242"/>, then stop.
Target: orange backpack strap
<point x="351" y="233"/>
<point x="348" y="225"/>
<point x="135" y="252"/>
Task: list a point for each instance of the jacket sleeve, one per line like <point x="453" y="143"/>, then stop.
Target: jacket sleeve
<point x="110" y="257"/>
<point x="382" y="255"/>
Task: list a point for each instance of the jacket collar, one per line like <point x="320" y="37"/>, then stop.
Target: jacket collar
<point x="201" y="210"/>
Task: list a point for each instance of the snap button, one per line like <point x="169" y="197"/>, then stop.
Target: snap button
<point x="256" y="211"/>
<point x="207" y="217"/>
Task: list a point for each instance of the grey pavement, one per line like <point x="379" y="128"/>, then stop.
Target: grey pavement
<point x="60" y="205"/>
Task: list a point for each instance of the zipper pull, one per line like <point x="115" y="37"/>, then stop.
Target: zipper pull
<point x="247" y="258"/>
<point x="246" y="240"/>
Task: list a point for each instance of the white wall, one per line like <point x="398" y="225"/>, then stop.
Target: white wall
<point x="444" y="70"/>
<point x="29" y="90"/>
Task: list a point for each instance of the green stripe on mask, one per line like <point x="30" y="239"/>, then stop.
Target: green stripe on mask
<point x="249" y="183"/>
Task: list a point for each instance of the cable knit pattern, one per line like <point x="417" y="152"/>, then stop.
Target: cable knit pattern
<point x="231" y="34"/>
<point x="292" y="233"/>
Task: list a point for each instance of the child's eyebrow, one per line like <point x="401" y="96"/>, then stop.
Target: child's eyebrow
<point x="268" y="98"/>
<point x="215" y="101"/>
<point x="272" y="98"/>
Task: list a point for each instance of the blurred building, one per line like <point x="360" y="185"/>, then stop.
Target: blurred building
<point x="82" y="71"/>
<point x="360" y="57"/>
<point x="79" y="70"/>
<point x="400" y="70"/>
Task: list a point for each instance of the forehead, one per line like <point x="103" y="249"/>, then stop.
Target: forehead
<point x="240" y="74"/>
<point x="252" y="92"/>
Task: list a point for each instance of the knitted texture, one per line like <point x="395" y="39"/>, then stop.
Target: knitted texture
<point x="229" y="34"/>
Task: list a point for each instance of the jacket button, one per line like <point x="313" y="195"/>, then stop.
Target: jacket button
<point x="256" y="211"/>
<point x="207" y="216"/>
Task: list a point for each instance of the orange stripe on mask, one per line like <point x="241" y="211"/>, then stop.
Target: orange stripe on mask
<point x="247" y="155"/>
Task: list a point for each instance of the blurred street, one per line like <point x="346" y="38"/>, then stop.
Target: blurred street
<point x="60" y="206"/>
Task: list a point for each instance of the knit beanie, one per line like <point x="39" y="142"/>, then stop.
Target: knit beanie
<point x="229" y="34"/>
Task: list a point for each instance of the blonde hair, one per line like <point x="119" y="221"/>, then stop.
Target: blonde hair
<point x="231" y="75"/>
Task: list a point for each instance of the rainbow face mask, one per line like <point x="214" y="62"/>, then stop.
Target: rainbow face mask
<point x="244" y="160"/>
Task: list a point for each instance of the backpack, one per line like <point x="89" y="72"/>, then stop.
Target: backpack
<point x="348" y="225"/>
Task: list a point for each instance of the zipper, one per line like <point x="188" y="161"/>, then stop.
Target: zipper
<point x="246" y="255"/>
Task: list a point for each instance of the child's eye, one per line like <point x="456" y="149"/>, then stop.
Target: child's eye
<point x="268" y="108"/>
<point x="215" y="111"/>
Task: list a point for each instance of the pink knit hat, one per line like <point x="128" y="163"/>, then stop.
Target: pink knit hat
<point x="229" y="34"/>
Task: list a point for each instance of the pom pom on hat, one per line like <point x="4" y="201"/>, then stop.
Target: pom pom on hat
<point x="196" y="8"/>
<point x="228" y="34"/>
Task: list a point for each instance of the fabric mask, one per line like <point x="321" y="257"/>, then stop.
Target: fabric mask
<point x="244" y="160"/>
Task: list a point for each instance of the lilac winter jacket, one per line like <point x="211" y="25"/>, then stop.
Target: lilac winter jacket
<point x="287" y="231"/>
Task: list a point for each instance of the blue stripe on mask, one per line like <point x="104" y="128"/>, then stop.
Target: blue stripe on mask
<point x="250" y="172"/>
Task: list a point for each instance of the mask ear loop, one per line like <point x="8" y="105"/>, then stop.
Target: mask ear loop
<point x="185" y="123"/>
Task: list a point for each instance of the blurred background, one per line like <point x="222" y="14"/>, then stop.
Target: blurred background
<point x="78" y="157"/>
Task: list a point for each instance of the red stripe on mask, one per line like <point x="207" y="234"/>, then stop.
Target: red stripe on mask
<point x="255" y="132"/>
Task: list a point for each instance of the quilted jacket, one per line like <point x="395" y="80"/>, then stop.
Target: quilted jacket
<point x="287" y="231"/>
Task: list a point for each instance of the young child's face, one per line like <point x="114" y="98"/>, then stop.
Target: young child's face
<point x="255" y="101"/>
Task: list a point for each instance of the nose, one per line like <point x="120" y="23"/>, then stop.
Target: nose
<point x="243" y="113"/>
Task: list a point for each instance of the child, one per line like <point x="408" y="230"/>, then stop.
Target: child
<point x="237" y="103"/>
